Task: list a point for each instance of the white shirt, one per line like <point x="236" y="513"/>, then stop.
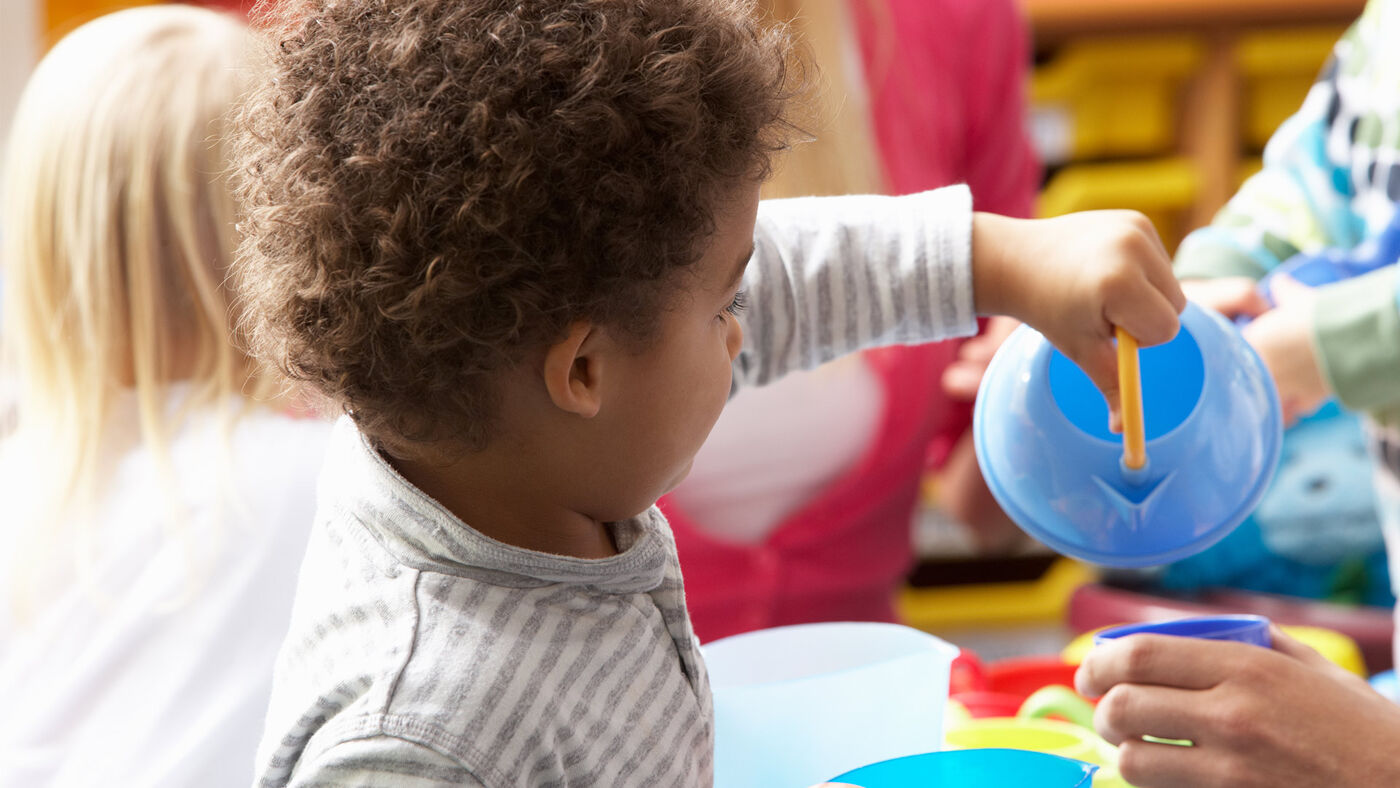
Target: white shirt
<point x="153" y="668"/>
<point x="776" y="448"/>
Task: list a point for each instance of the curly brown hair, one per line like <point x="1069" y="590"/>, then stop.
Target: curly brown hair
<point x="431" y="188"/>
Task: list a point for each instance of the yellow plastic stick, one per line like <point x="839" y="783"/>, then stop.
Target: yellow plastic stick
<point x="1130" y="394"/>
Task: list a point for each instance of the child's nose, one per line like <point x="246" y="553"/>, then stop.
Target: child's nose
<point x="735" y="340"/>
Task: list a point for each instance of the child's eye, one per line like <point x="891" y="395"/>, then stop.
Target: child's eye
<point x="737" y="305"/>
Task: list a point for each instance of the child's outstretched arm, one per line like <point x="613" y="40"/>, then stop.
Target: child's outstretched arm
<point x="836" y="275"/>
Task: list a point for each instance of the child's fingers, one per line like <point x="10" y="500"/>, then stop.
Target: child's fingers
<point x="1156" y="264"/>
<point x="1100" y="362"/>
<point x="1151" y="319"/>
<point x="1287" y="291"/>
<point x="1161" y="276"/>
<point x="1231" y="296"/>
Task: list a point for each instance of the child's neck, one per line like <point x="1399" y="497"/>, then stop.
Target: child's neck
<point x="498" y="498"/>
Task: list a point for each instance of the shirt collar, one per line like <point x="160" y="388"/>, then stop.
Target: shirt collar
<point x="358" y="483"/>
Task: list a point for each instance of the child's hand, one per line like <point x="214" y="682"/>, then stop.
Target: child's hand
<point x="1283" y="338"/>
<point x="1074" y="278"/>
<point x="1231" y="296"/>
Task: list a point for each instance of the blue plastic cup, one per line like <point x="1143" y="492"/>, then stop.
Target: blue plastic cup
<point x="973" y="769"/>
<point x="1243" y="629"/>
<point x="795" y="705"/>
<point x="1212" y="424"/>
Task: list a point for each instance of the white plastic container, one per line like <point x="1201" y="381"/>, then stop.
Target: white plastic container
<point x="796" y="705"/>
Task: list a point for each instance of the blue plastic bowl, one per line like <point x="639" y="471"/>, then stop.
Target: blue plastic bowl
<point x="1213" y="428"/>
<point x="973" y="769"/>
<point x="1243" y="629"/>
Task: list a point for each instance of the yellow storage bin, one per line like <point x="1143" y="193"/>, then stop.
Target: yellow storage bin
<point x="1111" y="97"/>
<point x="1160" y="188"/>
<point x="1277" y="68"/>
<point x="994" y="604"/>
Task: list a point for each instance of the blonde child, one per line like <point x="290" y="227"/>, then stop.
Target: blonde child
<point x="155" y="509"/>
<point x="520" y="245"/>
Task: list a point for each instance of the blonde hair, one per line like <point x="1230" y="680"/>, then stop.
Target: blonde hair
<point x="841" y="157"/>
<point x="118" y="231"/>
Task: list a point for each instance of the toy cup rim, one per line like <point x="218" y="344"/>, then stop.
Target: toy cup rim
<point x="942" y="649"/>
<point x="1242" y="622"/>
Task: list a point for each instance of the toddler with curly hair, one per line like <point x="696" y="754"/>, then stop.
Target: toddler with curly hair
<point x="519" y="244"/>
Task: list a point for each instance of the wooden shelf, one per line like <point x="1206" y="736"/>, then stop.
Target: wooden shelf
<point x="1053" y="19"/>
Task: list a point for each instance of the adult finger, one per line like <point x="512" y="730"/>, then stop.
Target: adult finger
<point x="1171" y="766"/>
<point x="1285" y="644"/>
<point x="1163" y="660"/>
<point x="1132" y="711"/>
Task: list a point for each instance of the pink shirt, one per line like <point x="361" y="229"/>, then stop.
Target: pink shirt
<point x="946" y="91"/>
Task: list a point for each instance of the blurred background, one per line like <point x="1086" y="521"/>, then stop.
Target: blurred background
<point x="1163" y="106"/>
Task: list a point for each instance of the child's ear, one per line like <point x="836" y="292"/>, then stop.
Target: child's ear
<point x="572" y="370"/>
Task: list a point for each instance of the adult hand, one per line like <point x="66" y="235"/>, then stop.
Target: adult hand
<point x="962" y="378"/>
<point x="1283" y="337"/>
<point x="1257" y="717"/>
<point x="1075" y="278"/>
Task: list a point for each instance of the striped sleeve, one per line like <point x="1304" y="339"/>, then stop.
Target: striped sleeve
<point x="834" y="275"/>
<point x="382" y="762"/>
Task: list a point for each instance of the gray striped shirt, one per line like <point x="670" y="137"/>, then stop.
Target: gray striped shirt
<point x="424" y="653"/>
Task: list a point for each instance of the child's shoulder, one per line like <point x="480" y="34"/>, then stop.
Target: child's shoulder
<point x="519" y="685"/>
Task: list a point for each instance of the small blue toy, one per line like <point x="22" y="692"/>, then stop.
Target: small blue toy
<point x="974" y="769"/>
<point x="1212" y="430"/>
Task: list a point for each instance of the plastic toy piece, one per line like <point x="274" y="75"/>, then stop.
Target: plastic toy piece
<point x="1212" y="427"/>
<point x="974" y="769"/>
<point x="794" y="705"/>
<point x="1240" y="628"/>
<point x="1130" y="393"/>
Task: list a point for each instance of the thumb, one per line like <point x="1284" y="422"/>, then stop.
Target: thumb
<point x="1100" y="362"/>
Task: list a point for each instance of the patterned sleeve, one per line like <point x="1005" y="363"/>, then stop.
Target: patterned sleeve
<point x="1302" y="198"/>
<point x="833" y="275"/>
<point x="382" y="762"/>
